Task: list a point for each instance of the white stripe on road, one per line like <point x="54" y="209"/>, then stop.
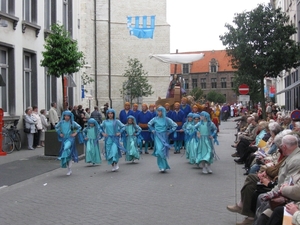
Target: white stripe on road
<point x="4" y="186"/>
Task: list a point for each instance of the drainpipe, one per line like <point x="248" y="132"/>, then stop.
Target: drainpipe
<point x="109" y="55"/>
<point x="95" y="53"/>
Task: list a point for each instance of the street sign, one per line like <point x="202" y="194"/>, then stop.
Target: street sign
<point x="243" y="89"/>
<point x="244" y="98"/>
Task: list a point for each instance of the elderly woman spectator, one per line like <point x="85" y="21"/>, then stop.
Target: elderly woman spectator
<point x="39" y="127"/>
<point x="45" y="126"/>
<point x="30" y="123"/>
<point x="262" y="129"/>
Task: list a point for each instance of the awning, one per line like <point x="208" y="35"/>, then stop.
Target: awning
<point x="289" y="88"/>
<point x="177" y="58"/>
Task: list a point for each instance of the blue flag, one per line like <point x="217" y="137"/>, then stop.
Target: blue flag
<point x="144" y="31"/>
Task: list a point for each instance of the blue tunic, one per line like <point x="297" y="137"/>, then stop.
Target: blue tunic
<point x="178" y="117"/>
<point x="169" y="113"/>
<point x="186" y="109"/>
<point x="191" y="142"/>
<point x="92" y="147"/>
<point x="142" y="121"/>
<point x="161" y="127"/>
<point x="68" y="150"/>
<point x="112" y="142"/>
<point x="131" y="141"/>
<point x="123" y="115"/>
<point x="135" y="114"/>
<point x="205" y="147"/>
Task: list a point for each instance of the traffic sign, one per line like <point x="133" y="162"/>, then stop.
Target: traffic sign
<point x="244" y="98"/>
<point x="243" y="89"/>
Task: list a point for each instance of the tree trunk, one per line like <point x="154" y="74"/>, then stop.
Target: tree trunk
<point x="63" y="92"/>
<point x="262" y="92"/>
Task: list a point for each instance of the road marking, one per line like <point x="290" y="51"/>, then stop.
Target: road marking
<point x="4" y="186"/>
<point x="23" y="159"/>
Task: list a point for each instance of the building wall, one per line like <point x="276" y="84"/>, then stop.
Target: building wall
<point x="124" y="46"/>
<point x="18" y="42"/>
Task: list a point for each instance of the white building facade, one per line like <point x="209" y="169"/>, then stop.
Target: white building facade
<point x="288" y="82"/>
<point x="104" y="25"/>
<point x="24" y="27"/>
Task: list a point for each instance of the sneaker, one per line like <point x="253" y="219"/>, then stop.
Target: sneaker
<point x="234" y="208"/>
<point x="117" y="166"/>
<point x="113" y="169"/>
<point x="246" y="221"/>
<point x="204" y="170"/>
<point x="69" y="173"/>
<point x="162" y="170"/>
<point x="208" y="169"/>
<point x="201" y="165"/>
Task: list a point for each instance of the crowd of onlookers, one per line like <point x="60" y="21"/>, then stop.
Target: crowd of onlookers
<point x="37" y="122"/>
<point x="268" y="150"/>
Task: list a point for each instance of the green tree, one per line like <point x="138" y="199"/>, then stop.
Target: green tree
<point x="136" y="85"/>
<point x="214" y="96"/>
<point x="260" y="44"/>
<point x="197" y="93"/>
<point x="61" y="55"/>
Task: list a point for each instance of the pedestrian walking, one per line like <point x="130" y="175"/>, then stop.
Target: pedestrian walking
<point x="161" y="126"/>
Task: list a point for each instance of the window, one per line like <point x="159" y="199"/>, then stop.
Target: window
<point x="213" y="82"/>
<point x="223" y="82"/>
<point x="30" y="11"/>
<point x="4" y="74"/>
<point x="50" y="13"/>
<point x="27" y="80"/>
<point x="186" y="84"/>
<point x="68" y="16"/>
<point x="185" y="68"/>
<point x="194" y="83"/>
<point x="213" y="65"/>
<point x="7" y="6"/>
<point x="50" y="84"/>
<point x="231" y="82"/>
<point x="203" y="83"/>
<point x="213" y="69"/>
<point x="30" y="91"/>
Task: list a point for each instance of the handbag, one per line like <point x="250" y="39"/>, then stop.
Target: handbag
<point x="278" y="201"/>
<point x="27" y="130"/>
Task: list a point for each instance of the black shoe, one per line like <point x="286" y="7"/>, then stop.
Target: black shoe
<point x="238" y="161"/>
<point x="146" y="152"/>
<point x="235" y="155"/>
<point x="234" y="146"/>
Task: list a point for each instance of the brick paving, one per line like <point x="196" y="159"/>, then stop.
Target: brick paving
<point x="136" y="194"/>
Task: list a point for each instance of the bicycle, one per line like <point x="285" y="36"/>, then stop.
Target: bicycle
<point x="15" y="135"/>
<point x="8" y="144"/>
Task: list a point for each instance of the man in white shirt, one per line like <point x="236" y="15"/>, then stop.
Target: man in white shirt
<point x="53" y="116"/>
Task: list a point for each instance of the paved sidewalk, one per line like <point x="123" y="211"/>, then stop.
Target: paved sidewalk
<point x="136" y="194"/>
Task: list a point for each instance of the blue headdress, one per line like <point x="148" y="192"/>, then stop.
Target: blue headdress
<point x="133" y="118"/>
<point x="67" y="113"/>
<point x="163" y="110"/>
<point x="111" y="111"/>
<point x="196" y="115"/>
<point x="93" y="121"/>
<point x="190" y="115"/>
<point x="206" y="116"/>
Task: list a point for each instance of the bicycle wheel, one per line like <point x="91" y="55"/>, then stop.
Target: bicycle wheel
<point x="8" y="144"/>
<point x="17" y="140"/>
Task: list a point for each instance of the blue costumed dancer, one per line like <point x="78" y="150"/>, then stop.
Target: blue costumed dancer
<point x="190" y="141"/>
<point x="179" y="118"/>
<point x="67" y="129"/>
<point x="206" y="130"/>
<point x="112" y="129"/>
<point x="131" y="139"/>
<point x="92" y="134"/>
<point x="125" y="113"/>
<point x="143" y="118"/>
<point x="161" y="126"/>
<point x="168" y="110"/>
<point x="135" y="111"/>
